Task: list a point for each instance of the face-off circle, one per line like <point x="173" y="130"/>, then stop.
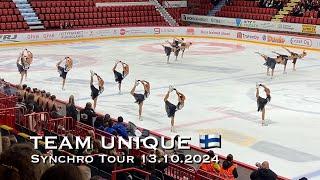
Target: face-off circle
<point x="44" y="62"/>
<point x="198" y="48"/>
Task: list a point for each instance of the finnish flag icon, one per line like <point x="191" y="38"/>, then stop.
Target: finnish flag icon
<point x="208" y="141"/>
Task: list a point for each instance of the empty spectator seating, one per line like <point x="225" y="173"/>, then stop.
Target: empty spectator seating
<point x="84" y="14"/>
<point x="176" y="13"/>
<point x="200" y="7"/>
<point x="10" y="18"/>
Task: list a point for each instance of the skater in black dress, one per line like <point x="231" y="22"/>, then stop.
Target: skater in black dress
<point x="171" y="108"/>
<point x="284" y="60"/>
<point x="63" y="71"/>
<point x="141" y="97"/>
<point x="261" y="102"/>
<point x="270" y="63"/>
<point x="94" y="91"/>
<point x="120" y="76"/>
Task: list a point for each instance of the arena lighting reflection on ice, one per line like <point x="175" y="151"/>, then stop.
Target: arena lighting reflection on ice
<point x="149" y="142"/>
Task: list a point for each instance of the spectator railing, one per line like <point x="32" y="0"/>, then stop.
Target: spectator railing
<point x="60" y="126"/>
<point x="8" y="116"/>
<point x="34" y="122"/>
<point x="115" y="172"/>
<point x="8" y="101"/>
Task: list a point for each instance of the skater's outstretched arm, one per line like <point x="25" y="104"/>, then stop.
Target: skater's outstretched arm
<point x="181" y="97"/>
<point x="266" y="89"/>
<point x="134" y="87"/>
<point x="167" y="96"/>
<point x="115" y="66"/>
<point x="276" y="53"/>
<point x="58" y="64"/>
<point x="257" y="92"/>
<point x="287" y="50"/>
<point x="262" y="55"/>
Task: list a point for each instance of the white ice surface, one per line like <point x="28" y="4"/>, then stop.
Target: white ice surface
<point x="218" y="78"/>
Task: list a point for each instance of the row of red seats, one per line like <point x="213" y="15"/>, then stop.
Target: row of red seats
<point x="92" y="9"/>
<point x="4" y="12"/>
<point x="11" y="18"/>
<point x="250" y="10"/>
<point x="7" y="5"/>
<point x="176" y="13"/>
<point x="111" y="20"/>
<point x="62" y="4"/>
<point x="311" y="14"/>
<point x="121" y="0"/>
<point x="301" y="20"/>
<point x="13" y="26"/>
<point x="264" y="17"/>
<point x="127" y="8"/>
<point x="245" y="3"/>
<point x="86" y="16"/>
<point x="93" y="24"/>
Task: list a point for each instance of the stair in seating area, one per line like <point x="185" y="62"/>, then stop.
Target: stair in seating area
<point x="28" y="14"/>
<point x="164" y="13"/>
<point x="285" y="10"/>
<point x="217" y="8"/>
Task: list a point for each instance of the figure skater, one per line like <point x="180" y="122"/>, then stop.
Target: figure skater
<point x="23" y="63"/>
<point x="184" y="46"/>
<point x="167" y="50"/>
<point x="120" y="76"/>
<point x="63" y="71"/>
<point x="175" y="46"/>
<point x="171" y="108"/>
<point x="295" y="56"/>
<point x="270" y="63"/>
<point x="284" y="60"/>
<point x="94" y="91"/>
<point x="141" y="97"/>
<point x="261" y="102"/>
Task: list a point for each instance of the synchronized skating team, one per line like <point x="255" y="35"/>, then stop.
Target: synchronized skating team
<point x="178" y="45"/>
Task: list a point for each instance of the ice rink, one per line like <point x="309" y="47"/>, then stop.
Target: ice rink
<point x="218" y="78"/>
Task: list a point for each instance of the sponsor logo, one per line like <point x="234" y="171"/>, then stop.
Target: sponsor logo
<point x="42" y="36"/>
<point x="163" y="30"/>
<point x="214" y="32"/>
<point x="103" y="32"/>
<point x="301" y="42"/>
<point x="71" y="34"/>
<point x="306" y="28"/>
<point x="197" y="19"/>
<point x="122" y="32"/>
<point x="264" y="37"/>
<point x="286" y="26"/>
<point x="241" y="35"/>
<point x="273" y="39"/>
<point x="215" y="20"/>
<point x="8" y="38"/>
<point x="190" y="31"/>
<point x="238" y="22"/>
<point x="249" y="24"/>
<point x="156" y="30"/>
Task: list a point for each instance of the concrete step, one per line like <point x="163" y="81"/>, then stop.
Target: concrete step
<point x="296" y="1"/>
<point x="291" y="4"/>
<point x="34" y="23"/>
<point x="31" y="18"/>
<point x="23" y="6"/>
<point x="288" y="8"/>
<point x="276" y="20"/>
<point x="28" y="14"/>
<point x="283" y="12"/>
<point x="26" y="10"/>
<point x="279" y="16"/>
<point x="39" y="27"/>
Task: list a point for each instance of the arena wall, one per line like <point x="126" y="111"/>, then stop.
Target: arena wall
<point x="304" y="42"/>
